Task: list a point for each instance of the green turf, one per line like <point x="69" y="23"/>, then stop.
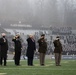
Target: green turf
<point x="68" y="68"/>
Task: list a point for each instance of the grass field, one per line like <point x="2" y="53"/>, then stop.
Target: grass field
<point x="68" y="68"/>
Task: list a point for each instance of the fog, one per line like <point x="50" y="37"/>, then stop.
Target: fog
<point x="38" y="12"/>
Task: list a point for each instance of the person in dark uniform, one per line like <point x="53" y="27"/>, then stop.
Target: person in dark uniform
<point x="0" y="54"/>
<point x="31" y="47"/>
<point x="4" y="48"/>
<point x="18" y="47"/>
<point x="57" y="51"/>
<point x="42" y="49"/>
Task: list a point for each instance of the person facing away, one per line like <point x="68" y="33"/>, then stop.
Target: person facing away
<point x="18" y="48"/>
<point x="42" y="49"/>
<point x="31" y="47"/>
<point x="4" y="49"/>
<point x="57" y="51"/>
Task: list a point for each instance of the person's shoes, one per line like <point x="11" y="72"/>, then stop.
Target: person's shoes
<point x="59" y="65"/>
<point x="5" y="65"/>
<point x="42" y="64"/>
<point x="30" y="65"/>
<point x="18" y="65"/>
<point x="0" y="65"/>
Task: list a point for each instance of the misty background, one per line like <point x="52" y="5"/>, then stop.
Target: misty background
<point x="38" y="12"/>
<point x="49" y="17"/>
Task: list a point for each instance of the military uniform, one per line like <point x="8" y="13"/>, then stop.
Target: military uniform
<point x="57" y="51"/>
<point x="0" y="54"/>
<point x="42" y="50"/>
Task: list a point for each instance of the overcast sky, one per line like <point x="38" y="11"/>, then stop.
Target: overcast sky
<point x="39" y="12"/>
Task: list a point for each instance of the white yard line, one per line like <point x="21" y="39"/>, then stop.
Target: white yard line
<point x="35" y="69"/>
<point x="3" y="73"/>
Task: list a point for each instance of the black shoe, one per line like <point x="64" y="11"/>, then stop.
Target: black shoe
<point x="0" y="65"/>
<point x="59" y="65"/>
<point x="18" y="65"/>
<point x="42" y="64"/>
<point x="30" y="65"/>
<point x="5" y="65"/>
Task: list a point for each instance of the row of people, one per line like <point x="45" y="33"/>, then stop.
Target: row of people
<point x="31" y="48"/>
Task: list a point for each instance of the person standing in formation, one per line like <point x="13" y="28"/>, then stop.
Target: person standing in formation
<point x="4" y="48"/>
<point x="57" y="51"/>
<point x="42" y="49"/>
<point x="31" y="47"/>
<point x="18" y="48"/>
<point x="0" y="54"/>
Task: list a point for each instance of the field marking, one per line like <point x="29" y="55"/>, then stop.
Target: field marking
<point x="3" y="73"/>
<point x="36" y="68"/>
<point x="39" y="65"/>
<point x="65" y="62"/>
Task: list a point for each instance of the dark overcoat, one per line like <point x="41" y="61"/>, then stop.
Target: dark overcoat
<point x="18" y="45"/>
<point x="0" y="54"/>
<point x="58" y="46"/>
<point x="4" y="47"/>
<point x="42" y="46"/>
<point x="31" y="47"/>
